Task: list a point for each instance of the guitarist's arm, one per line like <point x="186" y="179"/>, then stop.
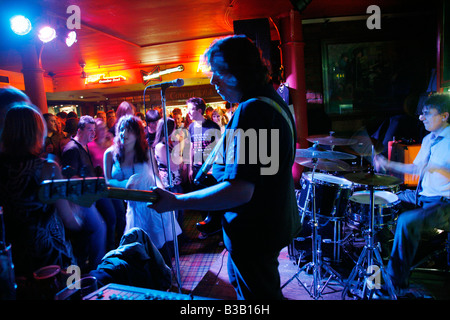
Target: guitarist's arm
<point x="224" y="195"/>
<point x="63" y="208"/>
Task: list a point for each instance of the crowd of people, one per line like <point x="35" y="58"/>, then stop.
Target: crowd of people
<point x="122" y="146"/>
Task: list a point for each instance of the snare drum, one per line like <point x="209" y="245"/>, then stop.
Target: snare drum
<point x="332" y="194"/>
<point x="386" y="205"/>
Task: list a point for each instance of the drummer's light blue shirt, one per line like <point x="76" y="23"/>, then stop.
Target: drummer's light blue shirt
<point x="435" y="183"/>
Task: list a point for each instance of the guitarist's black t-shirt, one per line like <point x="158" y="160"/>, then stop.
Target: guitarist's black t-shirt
<point x="264" y="156"/>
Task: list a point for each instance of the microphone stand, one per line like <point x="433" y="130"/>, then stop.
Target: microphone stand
<point x="169" y="175"/>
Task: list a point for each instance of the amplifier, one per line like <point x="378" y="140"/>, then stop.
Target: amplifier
<point x="406" y="154"/>
<point x="114" y="291"/>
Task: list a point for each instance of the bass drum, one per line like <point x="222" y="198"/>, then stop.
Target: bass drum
<point x="386" y="207"/>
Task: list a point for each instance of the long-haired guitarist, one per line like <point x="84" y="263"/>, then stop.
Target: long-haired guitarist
<point x="253" y="166"/>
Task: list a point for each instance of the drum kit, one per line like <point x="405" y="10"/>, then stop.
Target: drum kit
<point x="330" y="198"/>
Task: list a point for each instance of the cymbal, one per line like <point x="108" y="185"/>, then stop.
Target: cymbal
<point x="372" y="179"/>
<point x="316" y="153"/>
<point x="359" y="149"/>
<point x="324" y="164"/>
<point x="331" y="140"/>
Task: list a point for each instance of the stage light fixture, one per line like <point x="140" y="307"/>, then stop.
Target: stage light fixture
<point x="71" y="38"/>
<point x="20" y="25"/>
<point x="47" y="34"/>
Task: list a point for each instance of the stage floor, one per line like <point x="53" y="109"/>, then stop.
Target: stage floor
<point x="203" y="272"/>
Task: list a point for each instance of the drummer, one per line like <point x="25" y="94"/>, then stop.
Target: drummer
<point x="432" y="196"/>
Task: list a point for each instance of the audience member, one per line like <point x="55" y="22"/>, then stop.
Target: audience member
<point x="229" y="110"/>
<point x="151" y="118"/>
<point x="8" y="96"/>
<point x="177" y="115"/>
<point x="35" y="230"/>
<point x="141" y="116"/>
<point x="177" y="166"/>
<point x="97" y="148"/>
<point x="187" y="120"/>
<point x="130" y="163"/>
<point x="110" y="118"/>
<point x="124" y="108"/>
<point x="219" y="117"/>
<point x="90" y="244"/>
<point x="208" y="112"/>
<point x="72" y="114"/>
<point x="70" y="130"/>
<point x="101" y="115"/>
<point x="102" y="141"/>
<point x="62" y="116"/>
<point x="53" y="139"/>
<point x="202" y="133"/>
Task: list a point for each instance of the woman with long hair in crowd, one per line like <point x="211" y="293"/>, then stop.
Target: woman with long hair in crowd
<point x="220" y="117"/>
<point x="130" y="163"/>
<point x="35" y="230"/>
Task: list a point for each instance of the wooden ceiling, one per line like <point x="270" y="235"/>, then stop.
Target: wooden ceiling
<point x="142" y="34"/>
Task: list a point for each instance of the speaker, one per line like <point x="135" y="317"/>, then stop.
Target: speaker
<point x="258" y="30"/>
<point x="300" y="5"/>
<point x="405" y="154"/>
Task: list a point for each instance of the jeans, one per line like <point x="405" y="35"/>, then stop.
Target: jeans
<point x="434" y="213"/>
<point x="89" y="244"/>
<point x="108" y="212"/>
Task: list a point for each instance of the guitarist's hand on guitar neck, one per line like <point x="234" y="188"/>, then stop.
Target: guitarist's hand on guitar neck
<point x="224" y="195"/>
<point x="165" y="201"/>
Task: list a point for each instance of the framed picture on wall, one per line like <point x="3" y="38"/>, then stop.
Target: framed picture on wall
<point x="361" y="76"/>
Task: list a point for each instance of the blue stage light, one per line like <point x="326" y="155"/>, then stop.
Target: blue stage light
<point x="20" y="25"/>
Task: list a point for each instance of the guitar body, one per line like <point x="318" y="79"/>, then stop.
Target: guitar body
<point x="212" y="223"/>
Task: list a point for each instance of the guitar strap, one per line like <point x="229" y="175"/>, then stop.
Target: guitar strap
<point x="212" y="156"/>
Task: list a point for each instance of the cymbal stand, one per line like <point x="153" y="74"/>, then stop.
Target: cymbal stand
<point x="316" y="289"/>
<point x="369" y="255"/>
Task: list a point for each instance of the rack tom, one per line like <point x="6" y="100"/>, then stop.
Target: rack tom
<point x="332" y="194"/>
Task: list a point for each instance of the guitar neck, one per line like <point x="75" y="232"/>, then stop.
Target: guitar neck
<point x="131" y="194"/>
<point x="86" y="192"/>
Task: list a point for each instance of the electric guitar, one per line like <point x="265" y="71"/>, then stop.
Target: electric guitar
<point x="86" y="191"/>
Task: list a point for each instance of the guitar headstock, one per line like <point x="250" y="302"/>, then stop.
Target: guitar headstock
<point x="81" y="191"/>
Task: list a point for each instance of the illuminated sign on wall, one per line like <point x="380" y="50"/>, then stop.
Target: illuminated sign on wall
<point x="102" y="79"/>
<point x="156" y="73"/>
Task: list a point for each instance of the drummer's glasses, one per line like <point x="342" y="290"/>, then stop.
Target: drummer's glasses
<point x="427" y="113"/>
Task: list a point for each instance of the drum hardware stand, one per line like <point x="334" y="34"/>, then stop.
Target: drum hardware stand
<point x="336" y="241"/>
<point x="316" y="264"/>
<point x="370" y="254"/>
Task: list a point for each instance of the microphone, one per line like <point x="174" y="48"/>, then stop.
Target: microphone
<point x="175" y="83"/>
